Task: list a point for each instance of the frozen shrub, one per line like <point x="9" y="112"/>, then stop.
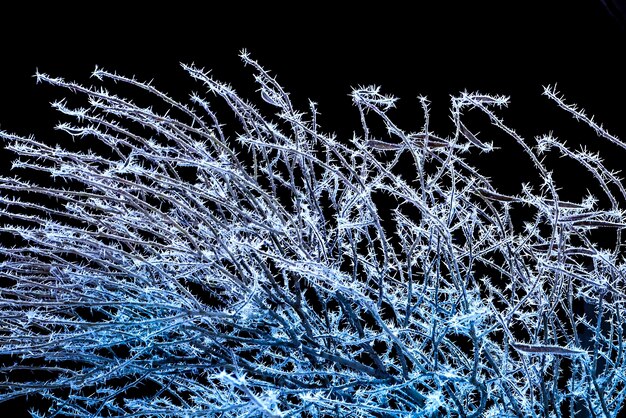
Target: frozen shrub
<point x="177" y="270"/>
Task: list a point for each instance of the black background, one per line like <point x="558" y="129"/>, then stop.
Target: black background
<point x="321" y="52"/>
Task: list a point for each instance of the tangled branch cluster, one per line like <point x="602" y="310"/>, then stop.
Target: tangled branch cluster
<point x="178" y="271"/>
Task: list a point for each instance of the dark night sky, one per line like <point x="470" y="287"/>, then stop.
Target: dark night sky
<point x="320" y="53"/>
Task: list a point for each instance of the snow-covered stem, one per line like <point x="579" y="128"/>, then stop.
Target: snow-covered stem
<point x="178" y="270"/>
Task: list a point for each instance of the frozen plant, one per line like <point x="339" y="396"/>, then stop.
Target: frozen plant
<point x="176" y="269"/>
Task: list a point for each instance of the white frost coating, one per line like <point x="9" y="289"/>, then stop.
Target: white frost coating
<point x="269" y="269"/>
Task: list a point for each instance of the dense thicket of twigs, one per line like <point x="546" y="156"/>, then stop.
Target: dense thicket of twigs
<point x="174" y="270"/>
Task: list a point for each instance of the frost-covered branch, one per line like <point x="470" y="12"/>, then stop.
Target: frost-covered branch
<point x="181" y="267"/>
